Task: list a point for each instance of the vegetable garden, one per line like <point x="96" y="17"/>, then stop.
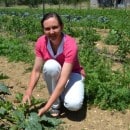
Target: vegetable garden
<point x="104" y="87"/>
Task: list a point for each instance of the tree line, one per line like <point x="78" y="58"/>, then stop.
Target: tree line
<point x="35" y="3"/>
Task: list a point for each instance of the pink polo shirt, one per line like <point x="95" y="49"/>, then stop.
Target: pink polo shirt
<point x="67" y="52"/>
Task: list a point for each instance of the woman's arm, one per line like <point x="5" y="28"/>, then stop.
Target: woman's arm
<point x="64" y="76"/>
<point x="33" y="79"/>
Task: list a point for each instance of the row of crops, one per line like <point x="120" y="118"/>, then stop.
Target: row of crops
<point x="105" y="88"/>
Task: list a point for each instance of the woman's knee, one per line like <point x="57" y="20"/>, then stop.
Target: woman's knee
<point x="51" y="67"/>
<point x="73" y="105"/>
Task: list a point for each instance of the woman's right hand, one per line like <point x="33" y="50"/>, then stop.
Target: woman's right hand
<point x="26" y="98"/>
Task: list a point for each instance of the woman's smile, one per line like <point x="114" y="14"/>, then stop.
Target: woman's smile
<point x="53" y="30"/>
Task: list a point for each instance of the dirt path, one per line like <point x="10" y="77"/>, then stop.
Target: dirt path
<point x="85" y="119"/>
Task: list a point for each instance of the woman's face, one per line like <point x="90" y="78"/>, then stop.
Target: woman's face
<point x="52" y="30"/>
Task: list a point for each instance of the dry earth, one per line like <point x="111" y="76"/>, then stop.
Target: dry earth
<point x="85" y="119"/>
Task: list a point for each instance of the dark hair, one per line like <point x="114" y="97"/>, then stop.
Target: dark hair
<point x="49" y="15"/>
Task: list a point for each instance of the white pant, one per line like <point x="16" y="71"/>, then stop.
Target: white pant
<point x="73" y="94"/>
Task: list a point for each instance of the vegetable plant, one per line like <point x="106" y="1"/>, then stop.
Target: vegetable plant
<point x="23" y="116"/>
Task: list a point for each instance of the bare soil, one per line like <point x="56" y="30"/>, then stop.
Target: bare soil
<point x="86" y="119"/>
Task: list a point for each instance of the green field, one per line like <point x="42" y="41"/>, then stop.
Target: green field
<point x="104" y="87"/>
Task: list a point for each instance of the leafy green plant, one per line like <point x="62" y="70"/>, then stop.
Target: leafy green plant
<point x="23" y="116"/>
<point x="120" y="38"/>
<point x="4" y="89"/>
<point x="104" y="87"/>
<point x="15" y="50"/>
<point x="114" y="37"/>
<point x="2" y="76"/>
<point x="124" y="50"/>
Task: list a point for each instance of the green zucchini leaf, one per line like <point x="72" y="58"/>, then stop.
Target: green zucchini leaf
<point x="4" y="89"/>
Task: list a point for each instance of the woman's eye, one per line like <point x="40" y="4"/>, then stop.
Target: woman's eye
<point x="47" y="29"/>
<point x="54" y="27"/>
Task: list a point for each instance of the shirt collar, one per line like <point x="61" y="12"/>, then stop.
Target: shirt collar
<point x="59" y="50"/>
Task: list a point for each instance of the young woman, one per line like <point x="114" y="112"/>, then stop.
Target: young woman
<point x="57" y="56"/>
